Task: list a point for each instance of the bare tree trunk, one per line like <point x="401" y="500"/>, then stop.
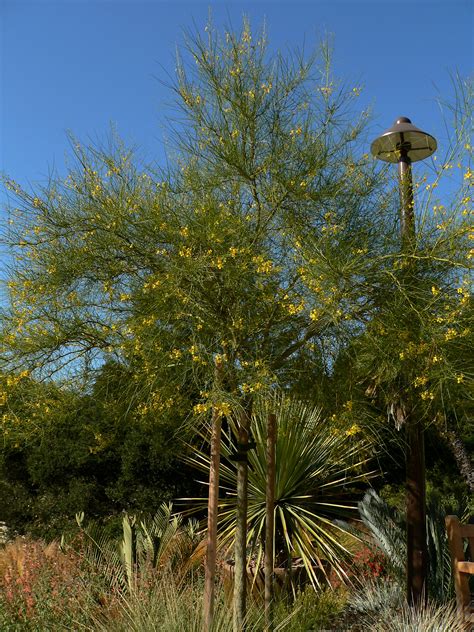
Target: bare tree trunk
<point x="212" y="510"/>
<point x="270" y="521"/>
<point x="462" y="458"/>
<point x="240" y="548"/>
<point x="417" y="549"/>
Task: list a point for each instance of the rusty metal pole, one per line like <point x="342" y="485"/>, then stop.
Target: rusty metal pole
<point x="417" y="549"/>
<point x="270" y="520"/>
<point x="212" y="511"/>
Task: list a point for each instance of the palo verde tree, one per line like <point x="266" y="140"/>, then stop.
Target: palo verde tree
<point x="258" y="249"/>
<point x="253" y="249"/>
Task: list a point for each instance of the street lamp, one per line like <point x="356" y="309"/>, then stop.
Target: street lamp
<point x="404" y="143"/>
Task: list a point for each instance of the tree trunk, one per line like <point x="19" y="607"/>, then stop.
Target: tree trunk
<point x="417" y="551"/>
<point x="212" y="510"/>
<point x="270" y="521"/>
<point x="462" y="458"/>
<point x="240" y="548"/>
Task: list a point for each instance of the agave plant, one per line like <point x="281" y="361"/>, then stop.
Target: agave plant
<point x="317" y="468"/>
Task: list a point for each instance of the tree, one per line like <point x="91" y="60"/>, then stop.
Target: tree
<point x="251" y="248"/>
<point x="266" y="244"/>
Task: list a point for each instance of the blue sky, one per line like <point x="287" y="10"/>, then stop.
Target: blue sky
<point x="79" y="65"/>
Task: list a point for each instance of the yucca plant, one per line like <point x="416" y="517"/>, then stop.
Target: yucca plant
<point x="317" y="468"/>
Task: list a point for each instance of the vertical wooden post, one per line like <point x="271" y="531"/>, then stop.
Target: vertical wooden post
<point x="240" y="547"/>
<point x="270" y="520"/>
<point x="461" y="579"/>
<point x="212" y="510"/>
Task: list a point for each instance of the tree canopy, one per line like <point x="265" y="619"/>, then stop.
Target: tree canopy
<point x="270" y="241"/>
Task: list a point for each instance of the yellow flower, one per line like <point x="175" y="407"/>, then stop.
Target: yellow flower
<point x="434" y="290"/>
<point x="354" y="429"/>
<point x="263" y="266"/>
<point x="222" y="408"/>
<point x="420" y="381"/>
<point x="201" y="408"/>
<point x="427" y="395"/>
<point x="185" y="252"/>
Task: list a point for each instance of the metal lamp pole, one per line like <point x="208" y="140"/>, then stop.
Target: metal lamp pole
<point x="403" y="144"/>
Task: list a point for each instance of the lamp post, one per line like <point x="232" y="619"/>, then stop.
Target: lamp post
<point x="403" y="143"/>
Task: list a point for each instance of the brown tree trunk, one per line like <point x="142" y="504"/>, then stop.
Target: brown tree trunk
<point x="212" y="510"/>
<point x="240" y="547"/>
<point x="417" y="550"/>
<point x="462" y="458"/>
<point x="270" y="521"/>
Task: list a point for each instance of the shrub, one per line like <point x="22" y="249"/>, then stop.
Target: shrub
<point x="45" y="588"/>
<point x="310" y="610"/>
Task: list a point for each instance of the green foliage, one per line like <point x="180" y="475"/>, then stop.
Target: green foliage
<point x="318" y="469"/>
<point x="311" y="610"/>
<point x="144" y="547"/>
<point x="387" y="527"/>
<point x="381" y="605"/>
<point x="65" y="452"/>
<point x="258" y="241"/>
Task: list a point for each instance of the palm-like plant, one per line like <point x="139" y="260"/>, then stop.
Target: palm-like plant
<point x="158" y="543"/>
<point x="317" y="466"/>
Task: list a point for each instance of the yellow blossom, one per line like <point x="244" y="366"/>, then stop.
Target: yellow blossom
<point x="296" y="132"/>
<point x="420" y="380"/>
<point x="201" y="408"/>
<point x="263" y="266"/>
<point x="222" y="408"/>
<point x="185" y="252"/>
<point x="427" y="395"/>
<point x="354" y="429"/>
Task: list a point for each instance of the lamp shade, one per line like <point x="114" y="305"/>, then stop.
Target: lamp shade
<point x="403" y="138"/>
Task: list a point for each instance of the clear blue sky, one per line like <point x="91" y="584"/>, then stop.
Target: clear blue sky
<point x="79" y="65"/>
